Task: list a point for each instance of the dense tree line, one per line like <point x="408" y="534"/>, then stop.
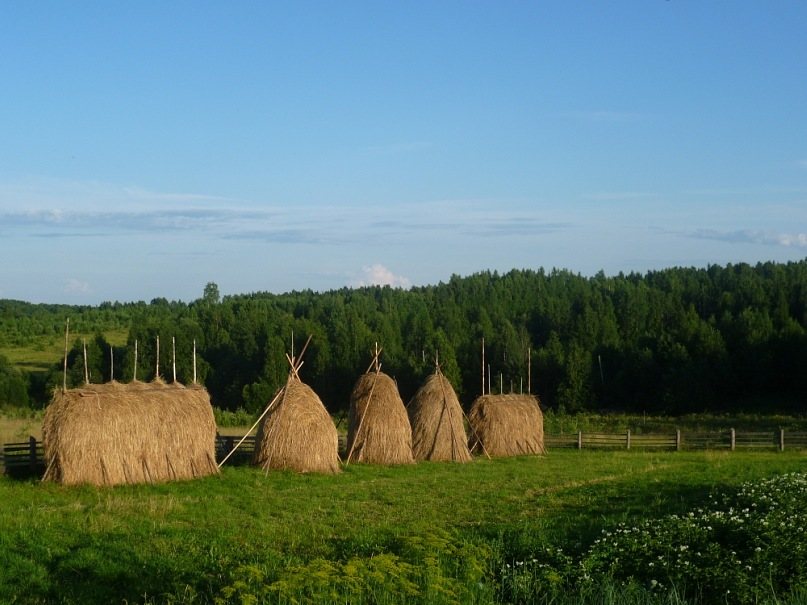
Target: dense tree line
<point x="684" y="339"/>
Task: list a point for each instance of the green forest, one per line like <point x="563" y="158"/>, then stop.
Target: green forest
<point x="722" y="339"/>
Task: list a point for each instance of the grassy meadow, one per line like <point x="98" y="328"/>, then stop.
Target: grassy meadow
<point x="426" y="533"/>
<point x="46" y="352"/>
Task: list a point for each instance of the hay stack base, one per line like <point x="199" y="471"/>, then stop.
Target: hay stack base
<point x="438" y="429"/>
<point x="506" y="425"/>
<point x="297" y="433"/>
<point x="378" y="427"/>
<point x="116" y="433"/>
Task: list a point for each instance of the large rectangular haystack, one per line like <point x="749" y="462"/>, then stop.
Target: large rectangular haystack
<point x="378" y="427"/>
<point x="297" y="433"/>
<point x="116" y="433"/>
<point x="506" y="425"/>
<point x="438" y="428"/>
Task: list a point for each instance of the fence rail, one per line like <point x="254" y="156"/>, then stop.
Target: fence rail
<point x="27" y="459"/>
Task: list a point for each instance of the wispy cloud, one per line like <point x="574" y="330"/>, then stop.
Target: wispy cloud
<point x="379" y="275"/>
<point x="75" y="286"/>
<point x="750" y="236"/>
<point x="67" y="223"/>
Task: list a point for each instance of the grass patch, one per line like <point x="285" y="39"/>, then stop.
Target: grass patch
<point x="46" y="352"/>
<point x="426" y="533"/>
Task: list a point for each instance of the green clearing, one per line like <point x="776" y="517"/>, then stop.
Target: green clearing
<point x="427" y="533"/>
<point x="46" y="352"/>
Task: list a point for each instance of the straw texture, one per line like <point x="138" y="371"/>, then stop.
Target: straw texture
<point x="378" y="427"/>
<point x="297" y="433"/>
<point x="438" y="430"/>
<point x="117" y="433"/>
<point x="506" y="425"/>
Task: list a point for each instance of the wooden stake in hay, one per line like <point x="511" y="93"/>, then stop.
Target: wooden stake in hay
<point x="438" y="430"/>
<point x="116" y="433"/>
<point x="297" y="433"/>
<point x="506" y="425"/>
<point x="378" y="427"/>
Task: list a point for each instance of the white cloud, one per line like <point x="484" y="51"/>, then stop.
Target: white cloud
<point x="379" y="275"/>
<point x="76" y="286"/>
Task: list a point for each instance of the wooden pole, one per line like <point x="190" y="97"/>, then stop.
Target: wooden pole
<point x="781" y="440"/>
<point x="733" y="439"/>
<point x="157" y="375"/>
<point x="111" y="364"/>
<point x="66" y="336"/>
<point x="134" y="372"/>
<point x="252" y="428"/>
<point x="529" y="371"/>
<point x="174" y="356"/>
<point x="483" y="365"/>
<point x="86" y="371"/>
<point x="194" y="361"/>
<point x="489" y="381"/>
<point x="677" y="440"/>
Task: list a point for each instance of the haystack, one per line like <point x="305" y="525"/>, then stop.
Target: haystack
<point x="297" y="432"/>
<point x="378" y="427"/>
<point x="115" y="433"/>
<point x="438" y="430"/>
<point x="506" y="425"/>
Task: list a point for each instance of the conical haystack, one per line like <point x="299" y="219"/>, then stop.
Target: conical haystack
<point x="129" y="433"/>
<point x="378" y="427"/>
<point x="438" y="430"/>
<point x="506" y="425"/>
<point x="297" y="433"/>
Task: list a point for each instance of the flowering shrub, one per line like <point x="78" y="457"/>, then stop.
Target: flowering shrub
<point x="741" y="548"/>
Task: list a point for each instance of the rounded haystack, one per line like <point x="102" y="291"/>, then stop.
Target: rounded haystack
<point x="506" y="425"/>
<point x="297" y="433"/>
<point x="378" y="427"/>
<point x="438" y="430"/>
<point x="115" y="433"/>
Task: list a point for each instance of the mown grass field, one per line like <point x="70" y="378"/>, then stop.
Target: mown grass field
<point x="426" y="533"/>
<point x="46" y="352"/>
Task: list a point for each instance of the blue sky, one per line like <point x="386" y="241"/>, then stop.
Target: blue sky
<point x="147" y="148"/>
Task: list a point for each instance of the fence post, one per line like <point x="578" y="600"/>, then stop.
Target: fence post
<point x="733" y="439"/>
<point x="32" y="453"/>
<point x="677" y="440"/>
<point x="580" y="440"/>
<point x="781" y="440"/>
<point x="627" y="440"/>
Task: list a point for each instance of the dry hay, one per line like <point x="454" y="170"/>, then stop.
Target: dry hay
<point x="378" y="427"/>
<point x="438" y="430"/>
<point x="115" y="433"/>
<point x="506" y="425"/>
<point x="297" y="433"/>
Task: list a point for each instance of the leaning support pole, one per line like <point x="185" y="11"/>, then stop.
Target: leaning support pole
<point x="157" y="374"/>
<point x="134" y="373"/>
<point x="174" y="356"/>
<point x="252" y="428"/>
<point x="111" y="364"/>
<point x="194" y="361"/>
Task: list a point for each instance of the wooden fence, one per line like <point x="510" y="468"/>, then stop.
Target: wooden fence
<point x="715" y="440"/>
<point x="27" y="459"/>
